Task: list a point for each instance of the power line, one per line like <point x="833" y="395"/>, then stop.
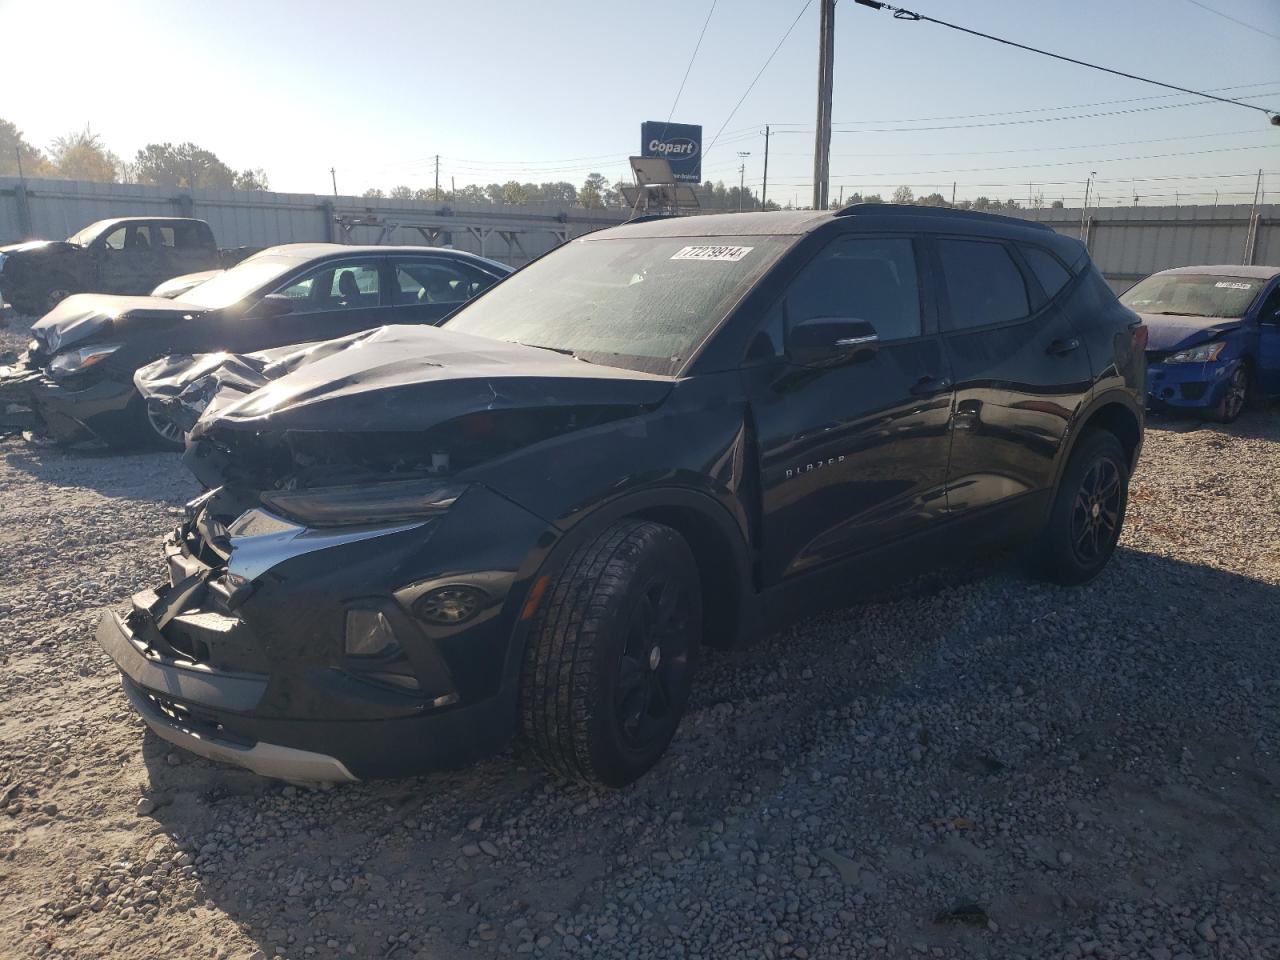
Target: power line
<point x="693" y="57"/>
<point x="902" y="14"/>
<point x="1069" y="146"/>
<point x="758" y="75"/>
<point x="1227" y="16"/>
<point x="1014" y="113"/>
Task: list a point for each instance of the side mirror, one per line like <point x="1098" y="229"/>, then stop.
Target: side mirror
<point x="272" y="305"/>
<point x="831" y="341"/>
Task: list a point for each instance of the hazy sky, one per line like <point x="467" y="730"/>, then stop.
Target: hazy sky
<point x="554" y="90"/>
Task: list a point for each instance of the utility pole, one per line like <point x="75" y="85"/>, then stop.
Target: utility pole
<point x="742" y="176"/>
<point x="437" y="193"/>
<point x="18" y="151"/>
<point x="953" y="193"/>
<point x="1251" y="234"/>
<point x="333" y="174"/>
<point x="822" y="139"/>
<point x="764" y="187"/>
<point x="1084" y="210"/>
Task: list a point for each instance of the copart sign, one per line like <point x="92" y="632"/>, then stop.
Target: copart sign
<point x="681" y="143"/>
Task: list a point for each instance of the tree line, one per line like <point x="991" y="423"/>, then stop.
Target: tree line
<point x="81" y="155"/>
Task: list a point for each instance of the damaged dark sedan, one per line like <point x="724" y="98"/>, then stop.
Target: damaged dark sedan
<point x="78" y="375"/>
<point x="418" y="543"/>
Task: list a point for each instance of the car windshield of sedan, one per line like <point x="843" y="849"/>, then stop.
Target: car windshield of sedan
<point x="237" y="283"/>
<point x="644" y="303"/>
<point x="1193" y="295"/>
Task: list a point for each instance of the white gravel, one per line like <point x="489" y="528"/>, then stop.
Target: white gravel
<point x="979" y="765"/>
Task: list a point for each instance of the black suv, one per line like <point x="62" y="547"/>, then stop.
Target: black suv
<point x="422" y="541"/>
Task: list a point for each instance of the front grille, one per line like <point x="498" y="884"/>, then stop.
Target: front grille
<point x="1158" y="356"/>
<point x="1194" y="390"/>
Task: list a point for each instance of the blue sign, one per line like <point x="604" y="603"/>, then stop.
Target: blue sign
<point x="681" y="143"/>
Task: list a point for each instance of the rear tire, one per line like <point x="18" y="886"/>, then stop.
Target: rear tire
<point x="1088" y="511"/>
<point x="611" y="653"/>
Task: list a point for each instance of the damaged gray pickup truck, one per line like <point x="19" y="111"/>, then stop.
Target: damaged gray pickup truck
<point x="420" y="542"/>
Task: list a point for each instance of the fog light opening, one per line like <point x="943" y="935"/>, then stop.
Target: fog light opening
<point x="369" y="634"/>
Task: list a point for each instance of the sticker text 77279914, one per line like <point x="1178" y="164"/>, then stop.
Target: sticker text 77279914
<point x="725" y="254"/>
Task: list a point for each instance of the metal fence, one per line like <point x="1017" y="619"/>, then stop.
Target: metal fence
<point x="1128" y="243"/>
<point x="513" y="234"/>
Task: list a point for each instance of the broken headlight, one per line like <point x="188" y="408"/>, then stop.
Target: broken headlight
<point x="77" y="361"/>
<point x="364" y="504"/>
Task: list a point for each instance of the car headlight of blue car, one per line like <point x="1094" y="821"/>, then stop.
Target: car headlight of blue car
<point x="1202" y="353"/>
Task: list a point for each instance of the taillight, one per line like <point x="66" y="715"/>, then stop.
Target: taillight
<point x="1140" y="334"/>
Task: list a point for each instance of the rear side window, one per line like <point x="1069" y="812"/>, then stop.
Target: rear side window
<point x="863" y="278"/>
<point x="1053" y="276"/>
<point x="983" y="283"/>
<point x="436" y="281"/>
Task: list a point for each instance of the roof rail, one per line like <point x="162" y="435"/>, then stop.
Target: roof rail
<point x="912" y="210"/>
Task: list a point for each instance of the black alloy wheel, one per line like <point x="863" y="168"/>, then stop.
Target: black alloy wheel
<point x="611" y="652"/>
<point x="1095" y="515"/>
<point x="654" y="663"/>
<point x="1087" y="515"/>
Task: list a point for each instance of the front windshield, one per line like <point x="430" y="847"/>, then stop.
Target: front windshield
<point x="237" y="283"/>
<point x="87" y="235"/>
<point x="645" y="303"/>
<point x="1193" y="295"/>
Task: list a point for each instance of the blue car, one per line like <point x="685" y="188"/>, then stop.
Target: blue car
<point x="1214" y="338"/>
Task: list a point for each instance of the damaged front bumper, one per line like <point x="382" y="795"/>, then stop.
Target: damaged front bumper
<point x="246" y="654"/>
<point x="68" y="411"/>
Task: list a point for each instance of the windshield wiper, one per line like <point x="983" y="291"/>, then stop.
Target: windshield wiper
<point x="560" y="350"/>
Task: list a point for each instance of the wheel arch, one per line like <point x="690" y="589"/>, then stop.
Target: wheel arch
<point x="719" y="547"/>
<point x="1116" y="413"/>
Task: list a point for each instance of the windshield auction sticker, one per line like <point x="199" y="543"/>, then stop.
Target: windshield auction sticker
<point x="1225" y="284"/>
<point x="723" y="254"/>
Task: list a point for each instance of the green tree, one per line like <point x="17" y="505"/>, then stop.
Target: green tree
<point x="904" y="195"/>
<point x="514" y="192"/>
<point x="592" y="193"/>
<point x="1056" y="205"/>
<point x="185" y="165"/>
<point x="81" y="156"/>
<point x="255" y="179"/>
<point x="934" y="200"/>
<point x="12" y="146"/>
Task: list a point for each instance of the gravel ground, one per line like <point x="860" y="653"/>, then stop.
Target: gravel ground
<point x="977" y="765"/>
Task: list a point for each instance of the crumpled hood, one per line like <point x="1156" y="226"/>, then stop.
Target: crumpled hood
<point x="1173" y="332"/>
<point x="412" y="377"/>
<point x="85" y="315"/>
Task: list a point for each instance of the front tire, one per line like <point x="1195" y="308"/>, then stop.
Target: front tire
<point x="610" y="657"/>
<point x="1088" y="511"/>
<point x="1236" y="399"/>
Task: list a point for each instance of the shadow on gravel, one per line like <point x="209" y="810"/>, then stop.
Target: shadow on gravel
<point x="946" y="746"/>
<point x="109" y="472"/>
<point x="1262" y="423"/>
